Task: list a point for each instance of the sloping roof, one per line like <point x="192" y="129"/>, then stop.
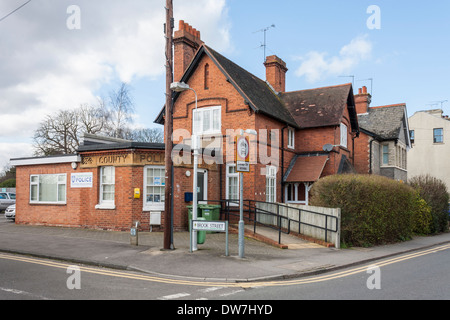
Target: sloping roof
<point x="256" y="92"/>
<point x="306" y="168"/>
<point x="321" y="107"/>
<point x="385" y="122"/>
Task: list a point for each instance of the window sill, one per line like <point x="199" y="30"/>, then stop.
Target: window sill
<point x="153" y="208"/>
<point x="49" y="203"/>
<point x="105" y="207"/>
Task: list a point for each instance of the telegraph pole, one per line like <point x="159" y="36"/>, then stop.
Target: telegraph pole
<point x="168" y="125"/>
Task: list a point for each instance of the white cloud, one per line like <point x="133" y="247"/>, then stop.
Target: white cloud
<point x="13" y="150"/>
<point x="317" y="66"/>
<point x="46" y="67"/>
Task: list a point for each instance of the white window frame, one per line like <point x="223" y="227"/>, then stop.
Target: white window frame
<point x="37" y="185"/>
<point x="344" y="135"/>
<point x="229" y="176"/>
<point x="271" y="184"/>
<point x="201" y="112"/>
<point x="151" y="205"/>
<point x="106" y="204"/>
<point x="291" y="138"/>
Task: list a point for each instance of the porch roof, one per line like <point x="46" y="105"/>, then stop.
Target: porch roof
<point x="307" y="168"/>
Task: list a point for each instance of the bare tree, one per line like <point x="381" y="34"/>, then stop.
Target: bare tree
<point x="57" y="134"/>
<point x="153" y="135"/>
<point x="120" y="111"/>
<point x="61" y="133"/>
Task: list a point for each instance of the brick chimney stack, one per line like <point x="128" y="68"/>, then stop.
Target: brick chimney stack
<point x="362" y="101"/>
<point x="186" y="43"/>
<point x="276" y="73"/>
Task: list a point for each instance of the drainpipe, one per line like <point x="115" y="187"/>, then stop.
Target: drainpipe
<point x="370" y="156"/>
<point x="282" y="162"/>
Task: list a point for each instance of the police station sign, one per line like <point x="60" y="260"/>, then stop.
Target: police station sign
<point x="81" y="180"/>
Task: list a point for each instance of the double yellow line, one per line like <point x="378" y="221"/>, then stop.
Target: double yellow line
<point x="143" y="277"/>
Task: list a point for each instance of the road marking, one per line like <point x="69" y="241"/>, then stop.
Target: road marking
<point x="174" y="296"/>
<point x="22" y="293"/>
<point x="199" y="283"/>
<point x="211" y="289"/>
<point x="231" y="293"/>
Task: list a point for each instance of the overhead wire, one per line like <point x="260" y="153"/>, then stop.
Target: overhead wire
<point x="12" y="12"/>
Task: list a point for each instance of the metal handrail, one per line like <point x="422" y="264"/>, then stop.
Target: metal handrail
<point x="248" y="207"/>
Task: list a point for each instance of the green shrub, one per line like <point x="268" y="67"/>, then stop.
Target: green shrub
<point x="422" y="217"/>
<point x="374" y="209"/>
<point x="10" y="183"/>
<point x="434" y="192"/>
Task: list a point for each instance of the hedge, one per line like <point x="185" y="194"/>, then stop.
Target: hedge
<point x="374" y="209"/>
<point x="434" y="192"/>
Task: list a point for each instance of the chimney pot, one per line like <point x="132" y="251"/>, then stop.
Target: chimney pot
<point x="362" y="101"/>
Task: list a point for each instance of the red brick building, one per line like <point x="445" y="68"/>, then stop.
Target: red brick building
<point x="301" y="137"/>
<point x="287" y="155"/>
<point x="105" y="186"/>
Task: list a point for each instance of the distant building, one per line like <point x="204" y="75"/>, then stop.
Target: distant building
<point x="430" y="136"/>
<point x="384" y="141"/>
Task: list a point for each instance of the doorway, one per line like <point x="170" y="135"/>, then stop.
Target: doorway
<point x="202" y="186"/>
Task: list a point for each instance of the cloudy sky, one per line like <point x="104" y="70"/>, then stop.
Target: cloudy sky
<point x="51" y="60"/>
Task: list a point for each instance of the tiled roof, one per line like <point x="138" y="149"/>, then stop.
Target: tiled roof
<point x="299" y="109"/>
<point x="258" y="93"/>
<point x="384" y="122"/>
<point x="320" y="107"/>
<point x="306" y="168"/>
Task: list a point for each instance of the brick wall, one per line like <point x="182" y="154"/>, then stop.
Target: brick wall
<point x="79" y="210"/>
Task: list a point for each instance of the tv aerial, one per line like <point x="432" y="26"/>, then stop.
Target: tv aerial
<point x="265" y="38"/>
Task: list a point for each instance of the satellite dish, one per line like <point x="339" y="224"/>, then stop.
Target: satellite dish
<point x="328" y="147"/>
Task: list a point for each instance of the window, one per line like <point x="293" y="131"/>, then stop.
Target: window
<point x="291" y="138"/>
<point x="412" y="135"/>
<point x="385" y="154"/>
<point x="343" y="135"/>
<point x="48" y="188"/>
<point x="271" y="179"/>
<point x="207" y="120"/>
<point x="232" y="183"/>
<point x="107" y="188"/>
<point x="438" y="135"/>
<point x="155" y="187"/>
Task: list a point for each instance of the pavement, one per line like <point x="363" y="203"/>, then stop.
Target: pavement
<point x="262" y="261"/>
